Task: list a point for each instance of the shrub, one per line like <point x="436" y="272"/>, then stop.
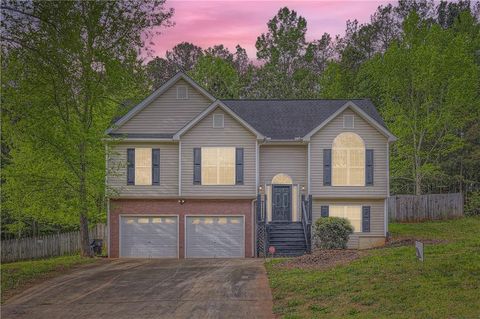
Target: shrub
<point x="472" y="207"/>
<point x="332" y="232"/>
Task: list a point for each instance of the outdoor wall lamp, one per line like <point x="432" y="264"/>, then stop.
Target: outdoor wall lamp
<point x="260" y="190"/>
<point x="181" y="201"/>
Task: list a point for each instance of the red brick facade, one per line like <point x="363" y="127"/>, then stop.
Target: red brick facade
<point x="241" y="207"/>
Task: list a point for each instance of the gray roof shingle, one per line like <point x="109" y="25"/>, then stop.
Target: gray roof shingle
<point x="288" y="119"/>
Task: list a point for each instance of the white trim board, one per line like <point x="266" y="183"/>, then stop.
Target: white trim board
<point x="149" y="99"/>
<point x="361" y="113"/>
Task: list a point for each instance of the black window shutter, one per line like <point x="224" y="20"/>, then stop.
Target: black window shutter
<point x="324" y="211"/>
<point x="327" y="167"/>
<point x="366" y="219"/>
<point x="155" y="166"/>
<point x="130" y="166"/>
<point x="239" y="166"/>
<point x="197" y="165"/>
<point x="369" y="167"/>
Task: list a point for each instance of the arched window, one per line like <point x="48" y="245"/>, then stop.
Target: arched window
<point x="282" y="179"/>
<point x="348" y="160"/>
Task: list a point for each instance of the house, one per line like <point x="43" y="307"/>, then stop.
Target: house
<point x="191" y="176"/>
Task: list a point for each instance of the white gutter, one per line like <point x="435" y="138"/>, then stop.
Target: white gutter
<point x="179" y="168"/>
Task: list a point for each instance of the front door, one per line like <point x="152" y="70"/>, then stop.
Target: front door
<point x="281" y="203"/>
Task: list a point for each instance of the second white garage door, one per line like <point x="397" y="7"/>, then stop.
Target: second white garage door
<point x="215" y="237"/>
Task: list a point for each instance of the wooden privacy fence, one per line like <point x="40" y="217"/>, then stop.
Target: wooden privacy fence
<point x="49" y="245"/>
<point x="411" y="208"/>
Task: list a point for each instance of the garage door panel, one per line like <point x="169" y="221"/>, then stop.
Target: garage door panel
<point x="149" y="237"/>
<point x="216" y="236"/>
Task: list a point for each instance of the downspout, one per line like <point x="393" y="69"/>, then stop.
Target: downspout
<point x="254" y="225"/>
<point x="179" y="168"/>
<point x="388" y="188"/>
<point x="308" y="168"/>
<point x="107" y="199"/>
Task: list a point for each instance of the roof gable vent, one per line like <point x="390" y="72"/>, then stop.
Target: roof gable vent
<point x="348" y="121"/>
<point x="182" y="92"/>
<point x="218" y="120"/>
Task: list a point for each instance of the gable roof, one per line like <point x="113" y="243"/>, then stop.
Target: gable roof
<point x="208" y="110"/>
<point x="149" y="99"/>
<point x="275" y="119"/>
<point x="291" y="119"/>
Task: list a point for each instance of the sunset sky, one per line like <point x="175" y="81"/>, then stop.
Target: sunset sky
<point x="206" y="23"/>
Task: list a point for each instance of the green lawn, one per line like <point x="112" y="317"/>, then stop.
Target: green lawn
<point x="19" y="275"/>
<point x="390" y="282"/>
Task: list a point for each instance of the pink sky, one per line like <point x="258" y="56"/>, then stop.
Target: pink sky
<point x="206" y="23"/>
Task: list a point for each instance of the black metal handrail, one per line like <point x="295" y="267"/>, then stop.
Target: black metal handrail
<point x="306" y="227"/>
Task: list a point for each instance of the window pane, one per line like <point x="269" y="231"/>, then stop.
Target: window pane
<point x="143" y="166"/>
<point x="336" y="211"/>
<point x="354" y="215"/>
<point x="218" y="166"/>
<point x="348" y="160"/>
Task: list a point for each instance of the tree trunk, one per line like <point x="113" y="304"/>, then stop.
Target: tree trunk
<point x="83" y="201"/>
<point x="418" y="176"/>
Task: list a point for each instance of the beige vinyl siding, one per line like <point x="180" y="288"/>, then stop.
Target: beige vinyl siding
<point x="373" y="140"/>
<point x="377" y="216"/>
<point x="286" y="159"/>
<point x="117" y="171"/>
<point x="167" y="114"/>
<point x="233" y="134"/>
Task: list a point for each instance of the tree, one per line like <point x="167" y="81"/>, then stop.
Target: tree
<point x="241" y="61"/>
<point x="159" y="71"/>
<point x="428" y="85"/>
<point x="67" y="66"/>
<point x="184" y="56"/>
<point x="217" y="76"/>
<point x="284" y="44"/>
<point x="219" y="51"/>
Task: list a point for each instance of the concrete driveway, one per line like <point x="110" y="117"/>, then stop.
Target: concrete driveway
<point x="192" y="288"/>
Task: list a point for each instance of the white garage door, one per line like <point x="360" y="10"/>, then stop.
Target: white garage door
<point x="214" y="237"/>
<point x="149" y="236"/>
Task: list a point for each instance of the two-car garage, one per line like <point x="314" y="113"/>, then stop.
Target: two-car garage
<point x="160" y="236"/>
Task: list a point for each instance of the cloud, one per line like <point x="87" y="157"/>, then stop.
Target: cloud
<point x="206" y="23"/>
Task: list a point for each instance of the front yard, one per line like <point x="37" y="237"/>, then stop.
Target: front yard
<point x="390" y="282"/>
<point x="18" y="276"/>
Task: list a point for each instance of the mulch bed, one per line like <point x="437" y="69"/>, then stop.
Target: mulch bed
<point x="323" y="259"/>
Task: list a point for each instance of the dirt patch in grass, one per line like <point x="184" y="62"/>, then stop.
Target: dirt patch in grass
<point x="323" y="259"/>
<point x="410" y="241"/>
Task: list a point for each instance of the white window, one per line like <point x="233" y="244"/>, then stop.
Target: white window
<point x="218" y="165"/>
<point x="218" y="120"/>
<point x="352" y="213"/>
<point x="348" y="121"/>
<point x="143" y="166"/>
<point x="182" y="92"/>
<point x="348" y="160"/>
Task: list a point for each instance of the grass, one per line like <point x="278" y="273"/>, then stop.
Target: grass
<point x="18" y="276"/>
<point x="390" y="282"/>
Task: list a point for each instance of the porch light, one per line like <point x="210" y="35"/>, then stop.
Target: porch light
<point x="260" y="190"/>
<point x="181" y="201"/>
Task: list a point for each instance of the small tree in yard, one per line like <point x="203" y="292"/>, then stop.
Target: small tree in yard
<point x="332" y="232"/>
<point x="66" y="66"/>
